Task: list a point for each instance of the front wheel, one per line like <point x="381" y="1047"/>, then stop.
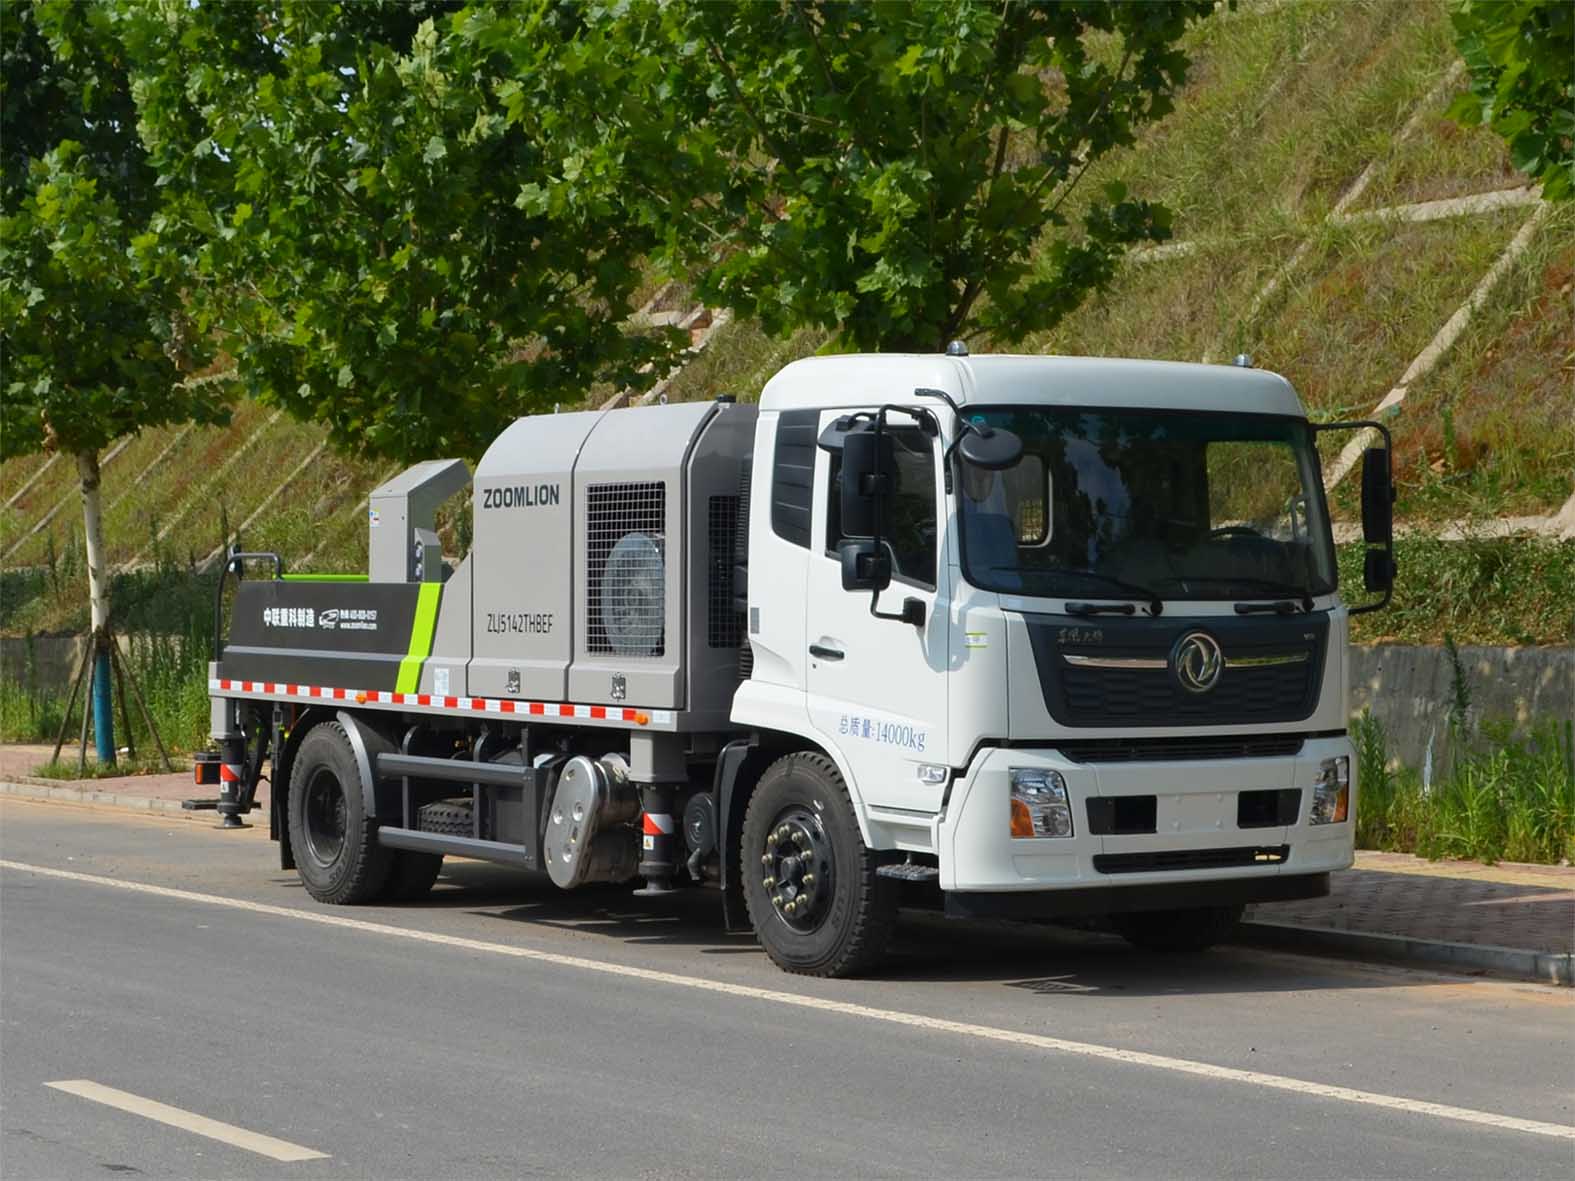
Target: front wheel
<point x="1178" y="930"/>
<point x="815" y="901"/>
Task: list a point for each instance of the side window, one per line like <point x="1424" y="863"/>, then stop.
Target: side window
<point x="793" y="475"/>
<point x="912" y="531"/>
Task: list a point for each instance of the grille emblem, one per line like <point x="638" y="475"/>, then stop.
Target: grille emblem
<point x="1197" y="661"/>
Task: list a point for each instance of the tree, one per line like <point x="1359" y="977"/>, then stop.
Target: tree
<point x="93" y="335"/>
<point x="1522" y="83"/>
<point x="355" y="174"/>
<point x="898" y="173"/>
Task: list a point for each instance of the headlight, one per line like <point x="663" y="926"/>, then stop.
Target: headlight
<point x="1331" y="802"/>
<point x="1040" y="807"/>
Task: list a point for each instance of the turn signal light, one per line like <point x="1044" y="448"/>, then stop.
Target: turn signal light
<point x="1022" y="820"/>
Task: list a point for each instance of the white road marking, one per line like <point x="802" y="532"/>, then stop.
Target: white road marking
<point x="189" y="1121"/>
<point x="988" y="1033"/>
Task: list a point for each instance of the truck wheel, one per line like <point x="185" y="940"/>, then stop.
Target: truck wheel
<point x="1178" y="930"/>
<point x="335" y="842"/>
<point x="814" y="899"/>
<point x="411" y="875"/>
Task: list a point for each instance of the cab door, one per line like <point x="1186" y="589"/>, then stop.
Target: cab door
<point x="877" y="687"/>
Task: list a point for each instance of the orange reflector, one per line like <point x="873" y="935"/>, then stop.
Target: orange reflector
<point x="1022" y="820"/>
<point x="641" y="717"/>
<point x="360" y="698"/>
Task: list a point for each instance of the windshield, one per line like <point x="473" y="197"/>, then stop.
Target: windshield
<point x="1113" y="503"/>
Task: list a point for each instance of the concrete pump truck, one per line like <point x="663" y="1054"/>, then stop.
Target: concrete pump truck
<point x="1034" y="637"/>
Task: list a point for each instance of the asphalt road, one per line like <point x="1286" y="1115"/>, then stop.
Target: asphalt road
<point x="503" y="1029"/>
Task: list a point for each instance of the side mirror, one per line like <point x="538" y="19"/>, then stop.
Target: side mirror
<point x="989" y="448"/>
<point x="1378" y="513"/>
<point x="863" y="568"/>
<point x="1378" y="525"/>
<point x="1378" y="497"/>
<point x="867" y="482"/>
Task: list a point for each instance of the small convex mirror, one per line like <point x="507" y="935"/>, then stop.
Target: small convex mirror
<point x="989" y="448"/>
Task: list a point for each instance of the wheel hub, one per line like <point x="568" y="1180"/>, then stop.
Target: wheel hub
<point x="326" y="818"/>
<point x="796" y="869"/>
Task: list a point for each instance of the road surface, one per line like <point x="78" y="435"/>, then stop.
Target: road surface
<point x="173" y="1005"/>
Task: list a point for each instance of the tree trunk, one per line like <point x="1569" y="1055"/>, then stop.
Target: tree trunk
<point x="98" y="594"/>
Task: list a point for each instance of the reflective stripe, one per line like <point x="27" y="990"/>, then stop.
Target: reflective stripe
<point x="420" y="637"/>
<point x="424" y="701"/>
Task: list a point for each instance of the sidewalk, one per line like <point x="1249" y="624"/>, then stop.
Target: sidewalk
<point x="1516" y="920"/>
<point x="1512" y="920"/>
<point x="145" y="793"/>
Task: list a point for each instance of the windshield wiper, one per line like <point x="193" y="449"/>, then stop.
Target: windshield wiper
<point x="1132" y="589"/>
<point x="1270" y="586"/>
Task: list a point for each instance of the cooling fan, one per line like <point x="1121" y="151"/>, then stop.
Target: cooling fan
<point x="634" y="595"/>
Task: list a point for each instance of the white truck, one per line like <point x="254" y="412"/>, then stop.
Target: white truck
<point x="1015" y="636"/>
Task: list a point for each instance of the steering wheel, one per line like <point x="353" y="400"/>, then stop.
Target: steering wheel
<point x="1235" y="531"/>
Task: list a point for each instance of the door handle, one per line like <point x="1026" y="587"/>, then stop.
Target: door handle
<point x="826" y="653"/>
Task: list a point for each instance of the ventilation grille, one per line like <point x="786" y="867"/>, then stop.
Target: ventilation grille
<point x="1179" y="859"/>
<point x="625" y="569"/>
<point x="724" y="622"/>
<point x="1164" y="750"/>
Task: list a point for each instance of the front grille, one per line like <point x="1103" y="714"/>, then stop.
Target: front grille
<point x="1108" y="696"/>
<point x="1119" y="672"/>
<point x="1181" y="859"/>
<point x="1182" y="747"/>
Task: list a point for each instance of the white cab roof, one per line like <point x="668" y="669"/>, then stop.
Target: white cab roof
<point x="863" y="379"/>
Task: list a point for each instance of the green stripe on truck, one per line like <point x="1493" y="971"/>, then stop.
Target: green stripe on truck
<point x="420" y="638"/>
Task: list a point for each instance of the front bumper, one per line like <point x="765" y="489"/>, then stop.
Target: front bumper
<point x="1195" y="823"/>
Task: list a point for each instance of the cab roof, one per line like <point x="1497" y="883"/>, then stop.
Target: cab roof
<point x="1003" y="379"/>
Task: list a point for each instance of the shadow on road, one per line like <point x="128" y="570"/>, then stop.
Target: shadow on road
<point x="1033" y="959"/>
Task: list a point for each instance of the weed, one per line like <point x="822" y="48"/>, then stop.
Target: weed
<point x="1502" y="590"/>
<point x="1505" y="796"/>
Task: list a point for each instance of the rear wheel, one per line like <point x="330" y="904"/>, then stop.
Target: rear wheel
<point x="335" y="842"/>
<point x="1178" y="930"/>
<point x="815" y="901"/>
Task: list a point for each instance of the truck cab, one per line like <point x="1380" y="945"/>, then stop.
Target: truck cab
<point x="1105" y="677"/>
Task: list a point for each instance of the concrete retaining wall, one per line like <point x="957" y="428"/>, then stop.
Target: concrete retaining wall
<point x="52" y="663"/>
<point x="1408" y="687"/>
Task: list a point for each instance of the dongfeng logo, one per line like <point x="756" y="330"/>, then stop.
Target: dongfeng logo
<point x="1196" y="661"/>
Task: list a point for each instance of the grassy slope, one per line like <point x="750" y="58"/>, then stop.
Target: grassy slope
<point x="1286" y="107"/>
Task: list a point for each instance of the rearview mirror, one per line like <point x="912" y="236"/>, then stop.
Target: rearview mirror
<point x="1378" y="525"/>
<point x="1378" y="497"/>
<point x="866" y="484"/>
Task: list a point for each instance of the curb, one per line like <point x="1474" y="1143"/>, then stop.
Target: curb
<point x="1543" y="967"/>
<point x="76" y="795"/>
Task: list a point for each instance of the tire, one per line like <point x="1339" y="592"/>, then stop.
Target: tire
<point x="850" y="911"/>
<point x="411" y="875"/>
<point x="335" y="842"/>
<point x="1178" y="930"/>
